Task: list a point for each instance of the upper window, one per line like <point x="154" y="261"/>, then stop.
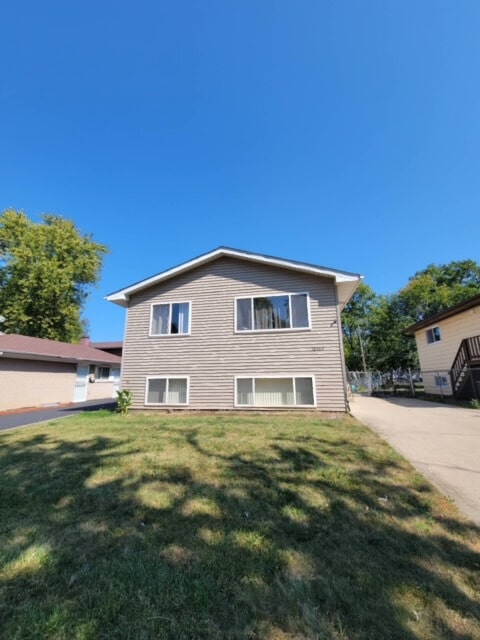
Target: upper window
<point x="170" y="318"/>
<point x="434" y="335"/>
<point x="288" y="311"/>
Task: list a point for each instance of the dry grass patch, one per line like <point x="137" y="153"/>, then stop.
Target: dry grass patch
<point x="227" y="527"/>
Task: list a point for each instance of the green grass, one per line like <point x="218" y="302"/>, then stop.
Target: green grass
<point x="179" y="526"/>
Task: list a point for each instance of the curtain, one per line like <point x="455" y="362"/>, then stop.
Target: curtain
<point x="167" y="391"/>
<point x="160" y="319"/>
<point x="274" y="392"/>
<point x="171" y="318"/>
<point x="157" y="391"/>
<point x="177" y="391"/>
<point x="244" y="391"/>
<point x="183" y="316"/>
<point x="244" y="314"/>
<point x="304" y="391"/>
<point x="272" y="312"/>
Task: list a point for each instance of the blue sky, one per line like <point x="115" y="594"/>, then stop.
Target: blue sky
<point x="341" y="133"/>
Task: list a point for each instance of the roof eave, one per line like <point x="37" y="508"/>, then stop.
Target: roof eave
<point x="120" y="299"/>
<point x="443" y="315"/>
<point x="352" y="280"/>
<point x="346" y="290"/>
<point x="24" y="355"/>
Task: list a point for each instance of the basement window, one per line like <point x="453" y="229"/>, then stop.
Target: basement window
<point x="167" y="390"/>
<point x="275" y="392"/>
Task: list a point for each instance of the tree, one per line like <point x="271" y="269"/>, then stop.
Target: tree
<point x="389" y="347"/>
<point x="356" y="330"/>
<point x="427" y="292"/>
<point x="46" y="270"/>
<point x="372" y="329"/>
<point x="439" y="287"/>
<point x="373" y="325"/>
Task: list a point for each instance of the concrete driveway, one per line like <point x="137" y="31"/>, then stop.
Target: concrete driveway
<point x="442" y="442"/>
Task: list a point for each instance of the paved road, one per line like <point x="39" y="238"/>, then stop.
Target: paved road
<point x="11" y="420"/>
<point x="442" y="442"/>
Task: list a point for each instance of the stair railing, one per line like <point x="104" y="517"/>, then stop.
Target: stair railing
<point x="469" y="350"/>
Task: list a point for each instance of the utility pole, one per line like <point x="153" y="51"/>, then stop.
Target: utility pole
<point x="362" y="351"/>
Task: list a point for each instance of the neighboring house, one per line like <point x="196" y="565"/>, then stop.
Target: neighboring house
<point x="36" y="372"/>
<point x="110" y="347"/>
<point x="448" y="346"/>
<point x="236" y="330"/>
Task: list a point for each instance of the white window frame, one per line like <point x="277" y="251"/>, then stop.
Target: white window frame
<point x="94" y="372"/>
<point x="167" y="378"/>
<point x="170" y="303"/>
<point x="441" y="381"/>
<point x="267" y="376"/>
<point x="431" y="335"/>
<point x="272" y="295"/>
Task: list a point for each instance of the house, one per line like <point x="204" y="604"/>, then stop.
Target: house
<point x="110" y="347"/>
<point x="448" y="346"/>
<point x="36" y="372"/>
<point x="236" y="330"/>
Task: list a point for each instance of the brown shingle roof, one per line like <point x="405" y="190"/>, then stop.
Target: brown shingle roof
<point x="107" y="345"/>
<point x="14" y="345"/>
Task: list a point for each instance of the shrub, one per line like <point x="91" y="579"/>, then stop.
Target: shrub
<point x="124" y="400"/>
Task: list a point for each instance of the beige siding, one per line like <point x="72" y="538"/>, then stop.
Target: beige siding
<point x="439" y="356"/>
<point x="213" y="354"/>
<point x="100" y="390"/>
<point x="31" y="383"/>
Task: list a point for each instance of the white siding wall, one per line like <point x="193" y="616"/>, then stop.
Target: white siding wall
<point x="439" y="356"/>
<point x="213" y="354"/>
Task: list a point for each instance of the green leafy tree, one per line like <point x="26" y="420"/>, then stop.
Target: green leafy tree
<point x="373" y="325"/>
<point x="427" y="292"/>
<point x="437" y="288"/>
<point x="356" y="328"/>
<point x="46" y="270"/>
<point x="389" y="347"/>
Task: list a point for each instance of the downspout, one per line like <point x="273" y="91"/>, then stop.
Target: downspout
<point x="342" y="352"/>
<point x="124" y="384"/>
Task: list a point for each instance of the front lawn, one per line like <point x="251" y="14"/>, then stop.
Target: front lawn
<point x="223" y="527"/>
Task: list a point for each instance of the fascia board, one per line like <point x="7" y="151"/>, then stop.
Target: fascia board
<point x="23" y="355"/>
<point x="122" y="296"/>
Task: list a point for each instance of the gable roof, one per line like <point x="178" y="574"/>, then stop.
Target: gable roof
<point x="107" y="345"/>
<point x="442" y="315"/>
<point x="17" y="346"/>
<point x="346" y="282"/>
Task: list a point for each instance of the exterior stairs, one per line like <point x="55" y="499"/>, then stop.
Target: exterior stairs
<point x="465" y="371"/>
